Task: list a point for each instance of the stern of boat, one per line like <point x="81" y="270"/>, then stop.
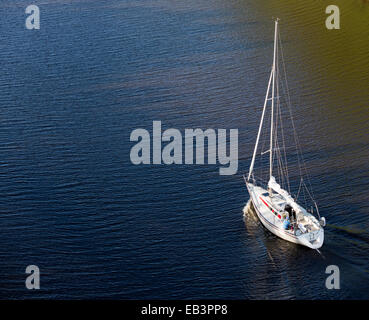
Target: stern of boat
<point x="313" y="239"/>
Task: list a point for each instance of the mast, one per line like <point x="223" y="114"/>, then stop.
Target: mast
<point x="271" y="81"/>
<point x="272" y="112"/>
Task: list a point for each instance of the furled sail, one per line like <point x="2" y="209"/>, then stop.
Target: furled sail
<point x="272" y="184"/>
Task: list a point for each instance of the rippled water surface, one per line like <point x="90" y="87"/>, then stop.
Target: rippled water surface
<point x="99" y="227"/>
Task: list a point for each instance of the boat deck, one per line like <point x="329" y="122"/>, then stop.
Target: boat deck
<point x="272" y="210"/>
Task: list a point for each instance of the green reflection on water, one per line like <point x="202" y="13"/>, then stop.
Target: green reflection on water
<point x="330" y="68"/>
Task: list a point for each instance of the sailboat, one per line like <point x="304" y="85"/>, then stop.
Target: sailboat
<point x="276" y="206"/>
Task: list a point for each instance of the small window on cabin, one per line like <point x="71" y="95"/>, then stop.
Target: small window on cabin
<point x="265" y="194"/>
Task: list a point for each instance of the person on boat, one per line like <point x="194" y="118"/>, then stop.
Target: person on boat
<point x="291" y="213"/>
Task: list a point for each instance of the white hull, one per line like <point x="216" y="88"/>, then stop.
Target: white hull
<point x="311" y="238"/>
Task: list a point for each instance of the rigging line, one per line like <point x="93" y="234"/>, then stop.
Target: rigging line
<point x="276" y="145"/>
<point x="289" y="105"/>
<point x="265" y="137"/>
<point x="283" y="171"/>
<point x="284" y="148"/>
<point x="276" y="148"/>
<point x="308" y="192"/>
<point x="305" y="203"/>
<point x="278" y="171"/>
<point x="280" y="166"/>
<point x="259" y="168"/>
<point x="295" y="147"/>
<point x="298" y="148"/>
<point x="283" y="165"/>
<point x="275" y="134"/>
<point x="294" y="129"/>
<point x="298" y="193"/>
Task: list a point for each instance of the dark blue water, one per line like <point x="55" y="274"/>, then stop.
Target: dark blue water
<point x="98" y="226"/>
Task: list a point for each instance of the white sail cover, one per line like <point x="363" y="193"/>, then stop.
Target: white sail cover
<point x="272" y="184"/>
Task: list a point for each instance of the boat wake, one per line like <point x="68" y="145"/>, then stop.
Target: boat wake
<point x="247" y="208"/>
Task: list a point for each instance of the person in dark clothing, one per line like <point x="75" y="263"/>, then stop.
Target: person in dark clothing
<point x="291" y="212"/>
